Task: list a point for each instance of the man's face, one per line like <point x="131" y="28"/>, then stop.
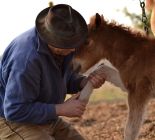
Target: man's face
<point x="61" y="51"/>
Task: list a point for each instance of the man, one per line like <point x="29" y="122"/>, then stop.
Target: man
<point x="35" y="76"/>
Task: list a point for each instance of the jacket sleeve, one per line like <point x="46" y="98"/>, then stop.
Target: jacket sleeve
<point x="22" y="91"/>
<point x="74" y="83"/>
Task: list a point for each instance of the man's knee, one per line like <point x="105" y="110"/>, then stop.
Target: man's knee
<point x="63" y="130"/>
<point x="17" y="131"/>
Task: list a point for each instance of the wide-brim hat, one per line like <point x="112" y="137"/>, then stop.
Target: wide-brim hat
<point x="62" y="27"/>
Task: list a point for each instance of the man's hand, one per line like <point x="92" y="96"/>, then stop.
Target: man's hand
<point x="71" y="107"/>
<point x="97" y="78"/>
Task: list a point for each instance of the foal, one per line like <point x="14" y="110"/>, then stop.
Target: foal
<point x="133" y="55"/>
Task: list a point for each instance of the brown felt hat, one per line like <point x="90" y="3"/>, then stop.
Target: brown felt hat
<point x="62" y="27"/>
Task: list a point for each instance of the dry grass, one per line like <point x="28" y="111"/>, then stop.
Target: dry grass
<point x="108" y="92"/>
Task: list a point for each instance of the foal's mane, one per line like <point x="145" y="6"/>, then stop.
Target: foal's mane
<point x="113" y="25"/>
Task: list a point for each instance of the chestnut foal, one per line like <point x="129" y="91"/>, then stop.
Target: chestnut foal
<point x="133" y="54"/>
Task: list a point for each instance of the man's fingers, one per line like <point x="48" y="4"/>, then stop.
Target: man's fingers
<point x="82" y="108"/>
<point x="96" y="81"/>
<point x="100" y="75"/>
<point x="79" y="112"/>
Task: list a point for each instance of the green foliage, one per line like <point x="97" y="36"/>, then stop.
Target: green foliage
<point x="137" y="20"/>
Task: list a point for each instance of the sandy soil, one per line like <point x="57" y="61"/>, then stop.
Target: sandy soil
<point x="106" y="121"/>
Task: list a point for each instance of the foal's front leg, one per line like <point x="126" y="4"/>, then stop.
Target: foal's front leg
<point x="136" y="104"/>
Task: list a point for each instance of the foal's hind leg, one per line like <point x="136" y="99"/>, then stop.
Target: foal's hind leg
<point x="137" y="103"/>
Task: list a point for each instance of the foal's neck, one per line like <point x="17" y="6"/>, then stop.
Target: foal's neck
<point x="119" y="44"/>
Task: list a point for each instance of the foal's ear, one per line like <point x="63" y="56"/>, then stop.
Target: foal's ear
<point x="98" y="20"/>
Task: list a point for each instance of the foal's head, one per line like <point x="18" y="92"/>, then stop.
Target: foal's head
<point x="91" y="52"/>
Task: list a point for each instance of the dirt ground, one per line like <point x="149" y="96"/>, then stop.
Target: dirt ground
<point x="106" y="121"/>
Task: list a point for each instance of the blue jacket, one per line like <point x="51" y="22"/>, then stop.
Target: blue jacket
<point x="31" y="83"/>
